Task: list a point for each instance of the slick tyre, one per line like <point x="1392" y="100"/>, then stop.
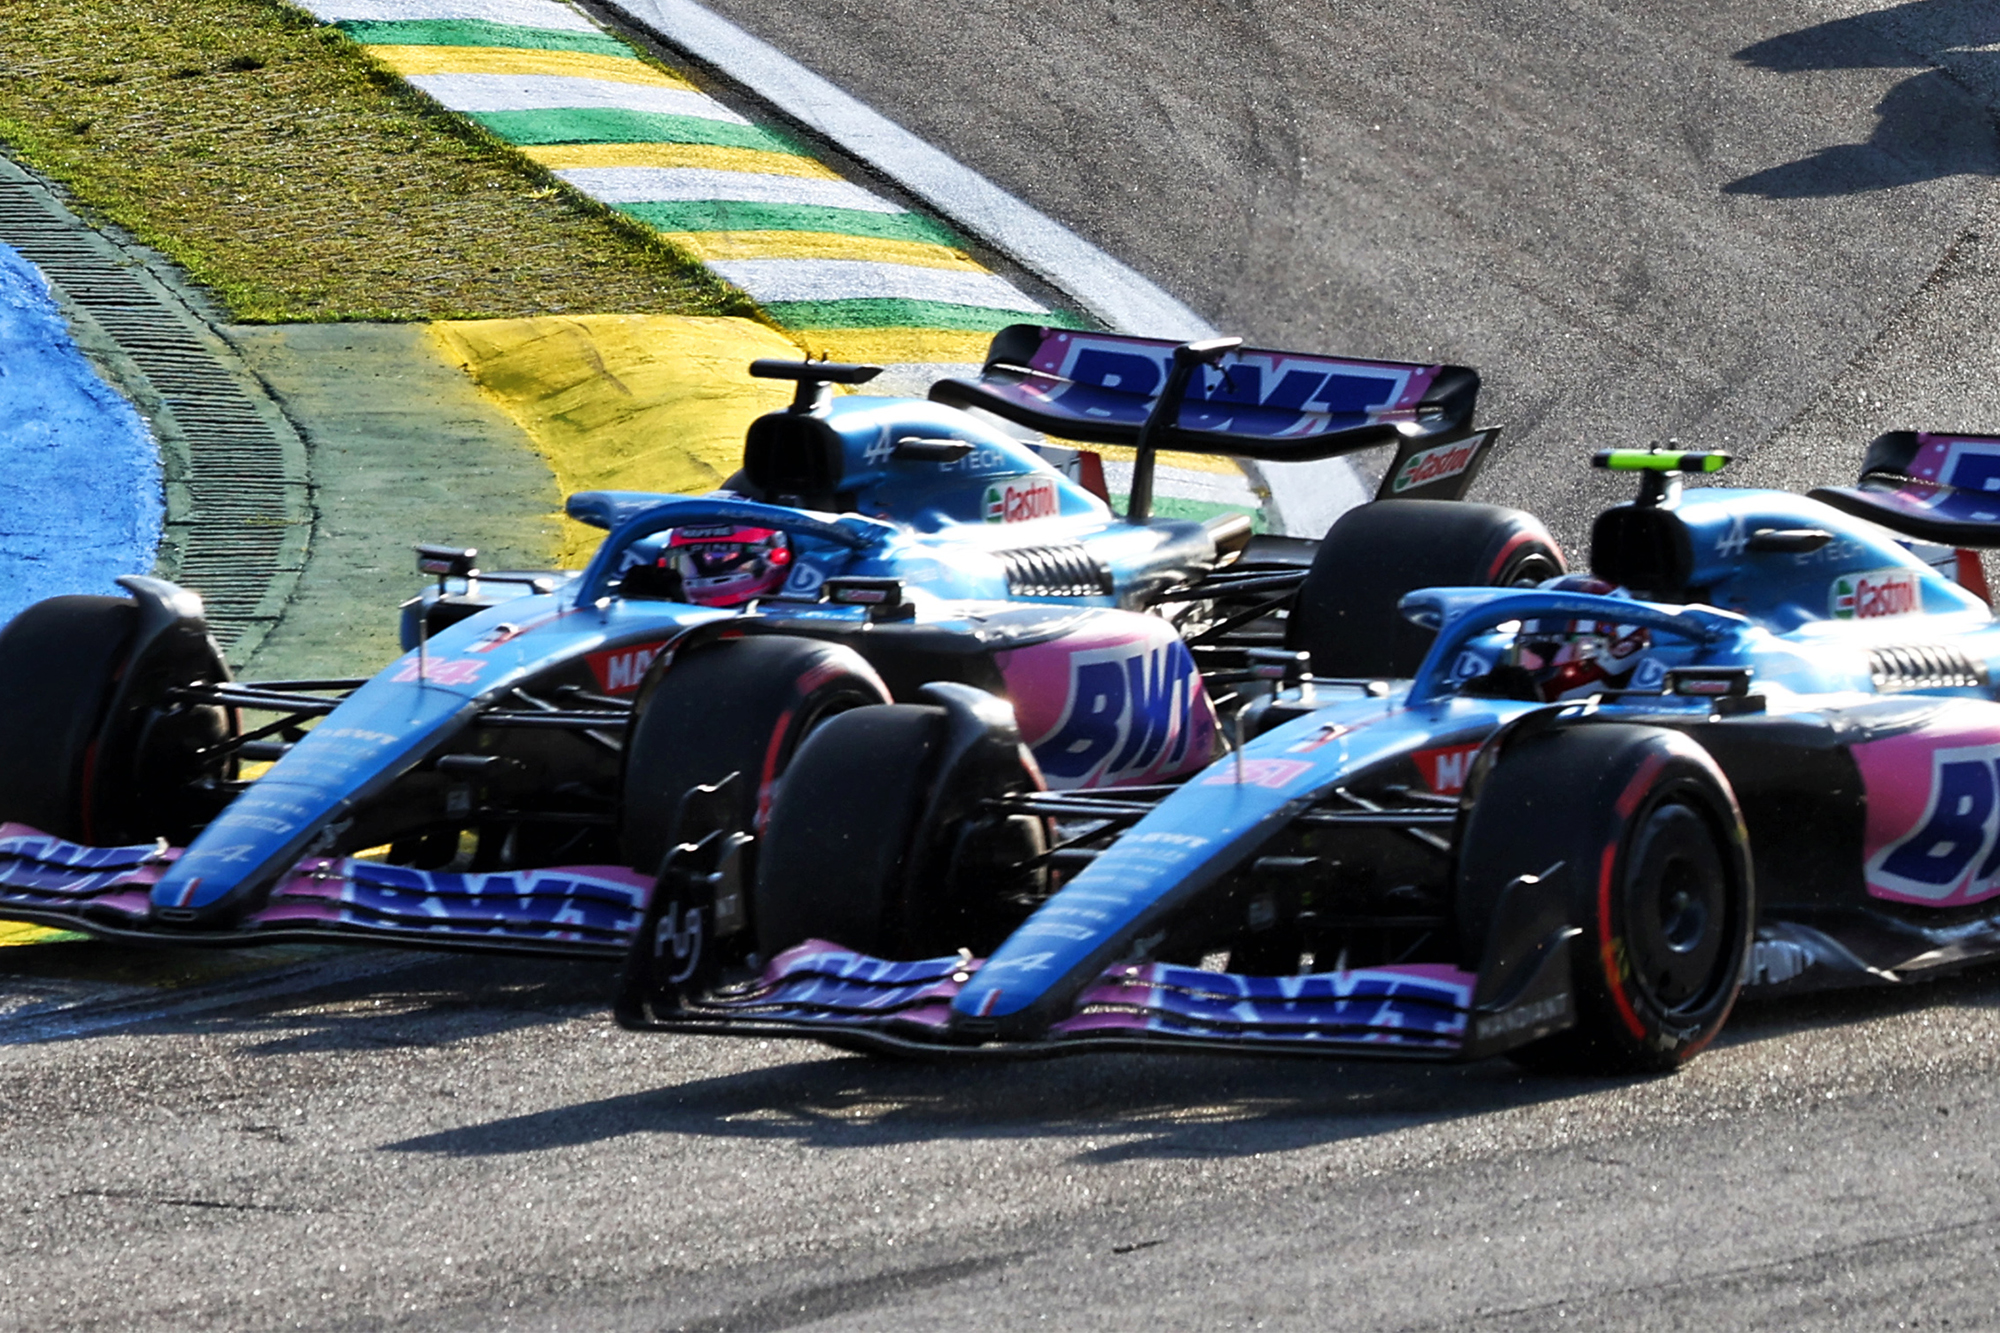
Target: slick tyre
<point x="1654" y="868"/>
<point x="734" y="706"/>
<point x="59" y="662"/>
<point x="844" y="833"/>
<point x="1346" y="614"/>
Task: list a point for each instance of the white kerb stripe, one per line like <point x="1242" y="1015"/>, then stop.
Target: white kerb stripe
<point x="549" y="92"/>
<point x="517" y="13"/>
<point x="634" y="185"/>
<point x="858" y="279"/>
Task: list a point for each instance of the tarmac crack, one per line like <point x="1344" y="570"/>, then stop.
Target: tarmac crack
<point x="170" y="1201"/>
<point x="809" y="1306"/>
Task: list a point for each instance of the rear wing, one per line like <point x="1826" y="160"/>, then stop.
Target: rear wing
<point x="1214" y="397"/>
<point x="1936" y="487"/>
<point x="1281" y="407"/>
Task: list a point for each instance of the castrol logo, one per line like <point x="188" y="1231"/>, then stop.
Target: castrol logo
<point x="1429" y="465"/>
<point x="1876" y="595"/>
<point x="1020" y="501"/>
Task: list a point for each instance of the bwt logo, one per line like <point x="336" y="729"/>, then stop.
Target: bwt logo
<point x="1972" y="465"/>
<point x="1952" y="854"/>
<point x="620" y="670"/>
<point x="1279" y="384"/>
<point x="1127" y="710"/>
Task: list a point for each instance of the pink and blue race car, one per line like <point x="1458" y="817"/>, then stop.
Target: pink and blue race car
<point x="514" y="780"/>
<point x="1756" y="746"/>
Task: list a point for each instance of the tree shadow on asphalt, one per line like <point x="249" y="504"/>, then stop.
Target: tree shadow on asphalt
<point x="1925" y="132"/>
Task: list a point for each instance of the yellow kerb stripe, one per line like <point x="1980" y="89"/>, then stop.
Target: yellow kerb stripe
<point x="569" y="156"/>
<point x="20" y="932"/>
<point x="713" y="246"/>
<point x="892" y="347"/>
<point x="1117" y="453"/>
<point x="413" y="60"/>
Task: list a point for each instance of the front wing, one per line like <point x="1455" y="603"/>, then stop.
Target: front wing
<point x="820" y="990"/>
<point x="588" y="911"/>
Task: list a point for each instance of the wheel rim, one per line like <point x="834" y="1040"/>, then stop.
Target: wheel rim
<point x="1528" y="570"/>
<point x="1677" y="913"/>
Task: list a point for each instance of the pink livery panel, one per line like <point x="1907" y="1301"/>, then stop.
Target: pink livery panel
<point x="1115" y="702"/>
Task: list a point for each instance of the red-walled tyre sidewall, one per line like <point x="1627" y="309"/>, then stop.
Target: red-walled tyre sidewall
<point x="1655" y="871"/>
<point x="730" y="706"/>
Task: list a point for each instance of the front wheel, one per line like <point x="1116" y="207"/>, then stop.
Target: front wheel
<point x="88" y="755"/>
<point x="883" y="839"/>
<point x="1656" y="865"/>
<point x="738" y="706"/>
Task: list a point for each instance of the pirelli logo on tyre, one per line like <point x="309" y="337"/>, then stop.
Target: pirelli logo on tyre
<point x="1429" y="465"/>
<point x="1021" y="500"/>
<point x="1876" y="595"/>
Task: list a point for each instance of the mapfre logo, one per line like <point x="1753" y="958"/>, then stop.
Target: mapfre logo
<point x="1951" y="855"/>
<point x="1444" y="768"/>
<point x="1130" y="707"/>
<point x="1020" y="501"/>
<point x="1429" y="465"/>
<point x="1876" y="595"/>
<point x="619" y="670"/>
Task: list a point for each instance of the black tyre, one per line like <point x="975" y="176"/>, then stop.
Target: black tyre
<point x="1346" y="615"/>
<point x="1655" y="870"/>
<point x="733" y="706"/>
<point x="844" y="831"/>
<point x="68" y="766"/>
<point x="59" y="660"/>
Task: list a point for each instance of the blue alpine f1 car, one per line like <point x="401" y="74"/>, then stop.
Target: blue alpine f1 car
<point x="511" y="782"/>
<point x="1757" y="745"/>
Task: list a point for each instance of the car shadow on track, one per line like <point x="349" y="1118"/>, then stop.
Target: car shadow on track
<point x="1154" y="1106"/>
<point x="1924" y="132"/>
<point x="313" y="998"/>
<point x="1151" y="1107"/>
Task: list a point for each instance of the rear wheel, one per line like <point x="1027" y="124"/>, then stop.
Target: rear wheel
<point x="735" y="706"/>
<point x="1656" y="872"/>
<point x="1346" y="614"/>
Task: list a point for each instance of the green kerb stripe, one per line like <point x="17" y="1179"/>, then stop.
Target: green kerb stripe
<point x="1174" y="506"/>
<point x="478" y="32"/>
<point x="884" y="313"/>
<point x="728" y="215"/>
<point x="607" y="125"/>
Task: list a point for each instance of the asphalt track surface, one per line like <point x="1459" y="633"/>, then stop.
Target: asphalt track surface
<point x="1767" y="223"/>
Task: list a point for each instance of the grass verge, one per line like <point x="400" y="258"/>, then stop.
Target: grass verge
<point x="299" y="182"/>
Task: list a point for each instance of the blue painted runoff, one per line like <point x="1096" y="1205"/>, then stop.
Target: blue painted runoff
<point x="80" y="488"/>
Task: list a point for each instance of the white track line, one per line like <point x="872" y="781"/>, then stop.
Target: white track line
<point x="1102" y="285"/>
<point x="852" y="279"/>
<point x="1310" y="494"/>
<point x="520" y="13"/>
<point x="651" y="185"/>
<point x="562" y="92"/>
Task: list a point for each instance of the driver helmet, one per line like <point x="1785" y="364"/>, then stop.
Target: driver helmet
<point x="1568" y="659"/>
<point x="726" y="566"/>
